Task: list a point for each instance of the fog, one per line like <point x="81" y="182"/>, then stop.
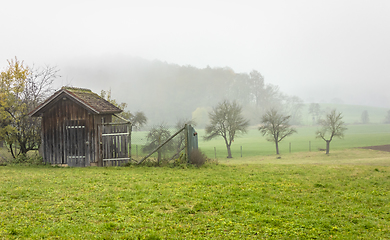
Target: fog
<point x="317" y="50"/>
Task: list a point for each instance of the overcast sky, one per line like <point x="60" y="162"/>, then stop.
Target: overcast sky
<point x="318" y="50"/>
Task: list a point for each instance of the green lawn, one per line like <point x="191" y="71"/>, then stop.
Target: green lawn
<point x="344" y="195"/>
<point x="254" y="144"/>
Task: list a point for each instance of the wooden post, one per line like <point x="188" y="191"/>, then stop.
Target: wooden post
<point x="289" y="147"/>
<point x="186" y="142"/>
<point x="309" y="146"/>
<point x="241" y="151"/>
<point x="129" y="130"/>
<point x="215" y="153"/>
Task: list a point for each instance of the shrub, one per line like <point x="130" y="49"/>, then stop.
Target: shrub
<point x="197" y="158"/>
<point x="33" y="159"/>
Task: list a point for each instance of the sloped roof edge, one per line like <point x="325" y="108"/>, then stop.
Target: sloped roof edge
<point x="78" y="95"/>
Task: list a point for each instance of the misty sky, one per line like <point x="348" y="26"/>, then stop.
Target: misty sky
<point x="317" y="50"/>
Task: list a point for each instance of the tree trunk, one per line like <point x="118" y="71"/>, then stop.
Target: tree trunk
<point x="327" y="146"/>
<point x="228" y="147"/>
<point x="159" y="151"/>
<point x="229" y="152"/>
<point x="277" y="147"/>
<point x="158" y="157"/>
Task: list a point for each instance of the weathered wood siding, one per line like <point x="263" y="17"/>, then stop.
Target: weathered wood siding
<point x="69" y="134"/>
<point x="115" y="139"/>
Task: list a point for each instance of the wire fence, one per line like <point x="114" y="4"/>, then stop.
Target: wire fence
<point x="160" y="144"/>
<point x="219" y="151"/>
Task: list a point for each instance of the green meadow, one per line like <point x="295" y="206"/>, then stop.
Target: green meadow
<point x="301" y="194"/>
<point x="254" y="144"/>
<point x="344" y="195"/>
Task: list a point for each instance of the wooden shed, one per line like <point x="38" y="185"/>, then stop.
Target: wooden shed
<point x="77" y="129"/>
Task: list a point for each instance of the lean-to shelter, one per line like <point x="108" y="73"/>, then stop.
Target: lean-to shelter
<point x="72" y="120"/>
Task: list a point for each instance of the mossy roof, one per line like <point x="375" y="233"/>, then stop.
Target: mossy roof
<point x="85" y="97"/>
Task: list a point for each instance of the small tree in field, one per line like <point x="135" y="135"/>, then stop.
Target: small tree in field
<point x="276" y="126"/>
<point x="156" y="136"/>
<point x="365" y="118"/>
<point x="315" y="111"/>
<point x="226" y="120"/>
<point x="332" y="126"/>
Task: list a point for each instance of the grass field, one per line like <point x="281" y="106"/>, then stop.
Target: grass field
<point x="351" y="113"/>
<point x="254" y="144"/>
<point x="303" y="194"/>
<point x="344" y="195"/>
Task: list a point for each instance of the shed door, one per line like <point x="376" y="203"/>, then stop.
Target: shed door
<point x="75" y="141"/>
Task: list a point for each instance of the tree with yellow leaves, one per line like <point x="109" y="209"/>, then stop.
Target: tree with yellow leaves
<point x="22" y="89"/>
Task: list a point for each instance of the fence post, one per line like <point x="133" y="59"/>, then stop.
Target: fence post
<point x="289" y="147"/>
<point x="309" y="146"/>
<point x="129" y="130"/>
<point x="215" y="153"/>
<point x="241" y="151"/>
<point x="187" y="143"/>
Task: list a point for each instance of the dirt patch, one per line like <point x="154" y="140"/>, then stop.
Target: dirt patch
<point x="379" y="148"/>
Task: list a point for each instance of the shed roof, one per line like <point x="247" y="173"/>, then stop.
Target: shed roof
<point x="85" y="97"/>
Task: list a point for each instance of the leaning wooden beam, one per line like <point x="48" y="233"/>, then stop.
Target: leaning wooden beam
<point x="177" y="154"/>
<point x="161" y="145"/>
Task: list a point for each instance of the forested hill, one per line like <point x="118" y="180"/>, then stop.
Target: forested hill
<point x="169" y="92"/>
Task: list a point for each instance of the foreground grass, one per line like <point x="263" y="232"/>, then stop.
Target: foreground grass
<point x="214" y="202"/>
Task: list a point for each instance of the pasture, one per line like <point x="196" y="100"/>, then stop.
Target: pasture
<point x="341" y="196"/>
<point x="254" y="144"/>
<point x="303" y="194"/>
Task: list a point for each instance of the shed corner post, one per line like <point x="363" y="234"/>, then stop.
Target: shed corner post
<point x="100" y="145"/>
<point x="129" y="130"/>
<point x="186" y="143"/>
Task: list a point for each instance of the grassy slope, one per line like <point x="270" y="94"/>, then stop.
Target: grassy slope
<point x="337" y="199"/>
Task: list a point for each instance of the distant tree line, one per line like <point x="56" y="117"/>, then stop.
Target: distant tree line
<point x="167" y="92"/>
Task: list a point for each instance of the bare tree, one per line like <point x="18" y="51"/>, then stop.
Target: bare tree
<point x="315" y="111"/>
<point x="276" y="127"/>
<point x="226" y="120"/>
<point x="364" y="117"/>
<point x="332" y="126"/>
<point x="156" y="136"/>
<point x="138" y="119"/>
<point x="293" y="106"/>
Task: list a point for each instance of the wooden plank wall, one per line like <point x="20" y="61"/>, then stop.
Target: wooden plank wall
<point x="115" y="146"/>
<point x="69" y="132"/>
